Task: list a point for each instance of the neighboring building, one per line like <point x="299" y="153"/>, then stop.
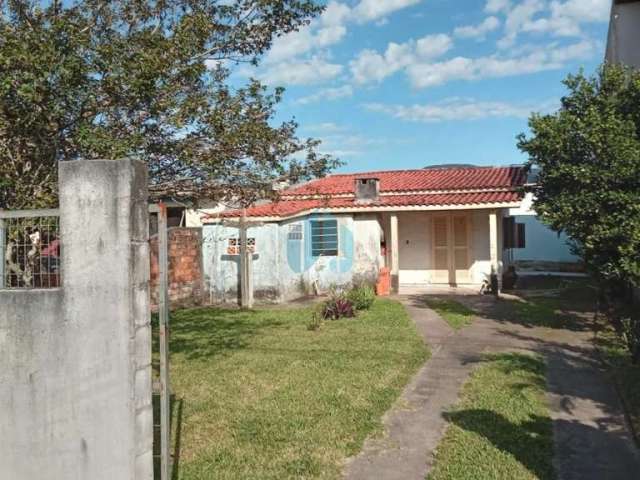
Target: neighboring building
<point x="429" y="227"/>
<point x="623" y="42"/>
<point x="541" y="249"/>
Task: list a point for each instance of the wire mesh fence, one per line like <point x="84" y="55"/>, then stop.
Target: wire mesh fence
<point x="30" y="249"/>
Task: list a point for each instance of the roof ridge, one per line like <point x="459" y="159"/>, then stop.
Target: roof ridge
<point x="485" y="167"/>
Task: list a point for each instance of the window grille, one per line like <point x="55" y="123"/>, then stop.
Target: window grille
<point x="324" y="238"/>
<point x="295" y="232"/>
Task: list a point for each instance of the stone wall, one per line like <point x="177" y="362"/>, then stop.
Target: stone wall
<point x="75" y="381"/>
<point x="186" y="285"/>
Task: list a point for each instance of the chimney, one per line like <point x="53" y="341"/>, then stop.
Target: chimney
<point x="367" y="189"/>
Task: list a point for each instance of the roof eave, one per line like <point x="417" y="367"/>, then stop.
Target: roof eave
<point x="372" y="209"/>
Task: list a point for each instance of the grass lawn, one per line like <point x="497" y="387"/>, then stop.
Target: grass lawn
<point x="454" y="313"/>
<point x="501" y="428"/>
<point x="627" y="375"/>
<point x="259" y="396"/>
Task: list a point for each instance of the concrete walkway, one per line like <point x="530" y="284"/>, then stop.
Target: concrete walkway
<point x="591" y="436"/>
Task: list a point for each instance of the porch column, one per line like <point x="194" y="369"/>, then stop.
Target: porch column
<point x="395" y="256"/>
<point x="494" y="251"/>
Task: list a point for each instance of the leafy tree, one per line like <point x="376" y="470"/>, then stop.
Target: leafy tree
<point x="150" y="80"/>
<point x="588" y="153"/>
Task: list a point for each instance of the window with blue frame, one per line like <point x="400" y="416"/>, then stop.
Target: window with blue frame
<point x="324" y="238"/>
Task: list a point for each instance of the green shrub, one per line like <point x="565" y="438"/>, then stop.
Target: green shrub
<point x="362" y="297"/>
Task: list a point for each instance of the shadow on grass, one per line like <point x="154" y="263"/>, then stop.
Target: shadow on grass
<point x="446" y="305"/>
<point x="209" y="332"/>
<point x="175" y="422"/>
<point x="528" y="442"/>
<point x="455" y="313"/>
<point x="549" y="312"/>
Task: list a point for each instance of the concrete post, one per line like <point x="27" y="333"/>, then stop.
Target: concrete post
<point x="75" y="382"/>
<point x="493" y="251"/>
<point x="395" y="253"/>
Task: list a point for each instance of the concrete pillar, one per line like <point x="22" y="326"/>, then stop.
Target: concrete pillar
<point x="494" y="250"/>
<point x="394" y="246"/>
<point x="104" y="222"/>
<point x="75" y="382"/>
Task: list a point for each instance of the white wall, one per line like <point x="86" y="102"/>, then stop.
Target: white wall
<point x="480" y="253"/>
<point x="415" y="246"/>
<point x="542" y="243"/>
<point x="415" y="249"/>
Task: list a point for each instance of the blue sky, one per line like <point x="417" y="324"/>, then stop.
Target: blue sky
<point x="389" y="84"/>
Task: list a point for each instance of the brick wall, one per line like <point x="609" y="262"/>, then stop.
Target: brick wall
<point x="185" y="267"/>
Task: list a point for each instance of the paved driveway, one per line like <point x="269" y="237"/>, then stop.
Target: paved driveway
<point x="592" y="440"/>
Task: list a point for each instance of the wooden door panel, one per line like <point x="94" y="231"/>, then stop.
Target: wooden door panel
<point x="440" y="272"/>
<point x="461" y="261"/>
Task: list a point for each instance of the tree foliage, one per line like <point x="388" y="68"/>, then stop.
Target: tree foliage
<point x="588" y="153"/>
<point x="150" y="80"/>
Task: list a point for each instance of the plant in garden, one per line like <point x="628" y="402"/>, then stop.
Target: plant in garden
<point x="148" y="80"/>
<point x="337" y="306"/>
<point x="362" y="296"/>
<point x="317" y="316"/>
<point x="588" y="156"/>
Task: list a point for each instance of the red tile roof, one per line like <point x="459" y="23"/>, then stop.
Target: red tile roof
<point x="287" y="208"/>
<point x="440" y="187"/>
<point x="464" y="178"/>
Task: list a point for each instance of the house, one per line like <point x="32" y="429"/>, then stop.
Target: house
<point x="442" y="226"/>
<point x="624" y="33"/>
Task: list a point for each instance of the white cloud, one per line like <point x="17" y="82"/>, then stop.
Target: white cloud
<point x="518" y="18"/>
<point x="558" y="18"/>
<point x="303" y="41"/>
<point x="368" y="10"/>
<point x="545" y="57"/>
<point x="326" y="127"/>
<point x="433" y="46"/>
<point x="336" y="13"/>
<point x="460" y="109"/>
<point x="495" y="6"/>
<point x="371" y="66"/>
<point x="478" y="31"/>
<point x="327" y="94"/>
<point x="305" y="72"/>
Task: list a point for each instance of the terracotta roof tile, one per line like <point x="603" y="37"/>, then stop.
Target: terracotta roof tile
<point x="448" y="186"/>
<point x="288" y="208"/>
<point x="425" y="179"/>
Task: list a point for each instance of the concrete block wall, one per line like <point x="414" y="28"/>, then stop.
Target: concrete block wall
<point x="186" y="279"/>
<point x="75" y="382"/>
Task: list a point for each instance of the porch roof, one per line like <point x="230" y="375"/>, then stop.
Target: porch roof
<point x="428" y="189"/>
<point x="291" y="208"/>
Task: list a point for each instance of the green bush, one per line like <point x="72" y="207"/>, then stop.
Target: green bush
<point x="362" y="297"/>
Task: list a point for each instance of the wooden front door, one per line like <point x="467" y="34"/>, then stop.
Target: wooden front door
<point x="451" y="257"/>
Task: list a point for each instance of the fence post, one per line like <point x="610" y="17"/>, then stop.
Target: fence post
<point x="3" y="241"/>
<point x="163" y="310"/>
